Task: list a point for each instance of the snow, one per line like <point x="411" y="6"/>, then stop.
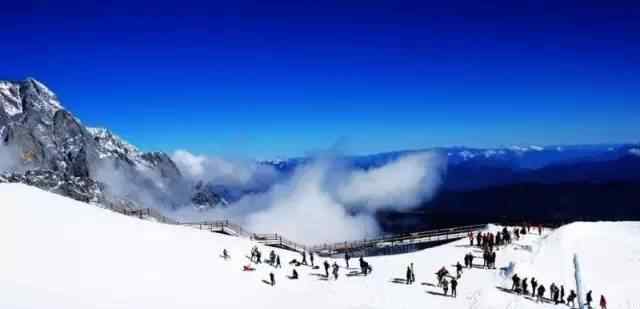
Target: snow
<point x="59" y="253"/>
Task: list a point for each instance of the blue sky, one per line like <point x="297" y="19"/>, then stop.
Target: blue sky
<point x="270" y="78"/>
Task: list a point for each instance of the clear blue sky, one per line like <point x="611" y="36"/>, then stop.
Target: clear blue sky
<point x="274" y="78"/>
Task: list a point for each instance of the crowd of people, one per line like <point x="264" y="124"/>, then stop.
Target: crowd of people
<point x="488" y="242"/>
<point x="556" y="294"/>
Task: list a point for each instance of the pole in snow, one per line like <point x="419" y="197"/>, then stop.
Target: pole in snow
<point x="578" y="276"/>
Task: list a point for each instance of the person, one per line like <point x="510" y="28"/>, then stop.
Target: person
<point x="408" y="274"/>
<point x="493" y="260"/>
<point x="516" y="283"/>
<point x="445" y="286"/>
<point x="304" y="257"/>
<point x="278" y="265"/>
<point x="347" y="257"/>
<point x="272" y="258"/>
<point x="541" y="291"/>
<point x="562" y="294"/>
<point x="225" y="254"/>
<point x="470" y="239"/>
<point x="294" y="275"/>
<point x="525" y="286"/>
<point x="471" y="257"/>
<point x="534" y="284"/>
<point x="459" y="270"/>
<point x="571" y="299"/>
<point x="413" y="274"/>
<point x="326" y="269"/>
<point x="454" y="286"/>
<point x="440" y="274"/>
<point x="589" y="299"/>
<point x="555" y="293"/>
<point x="258" y="257"/>
<point x="272" y="277"/>
<point x="311" y="258"/>
<point x="603" y="302"/>
<point x="248" y="268"/>
<point x="335" y="270"/>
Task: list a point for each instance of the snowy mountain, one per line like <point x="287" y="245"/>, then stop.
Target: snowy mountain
<point x="58" y="253"/>
<point x="38" y="133"/>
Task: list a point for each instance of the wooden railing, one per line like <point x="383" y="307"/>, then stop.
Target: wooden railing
<point x="277" y="240"/>
<point x="398" y="240"/>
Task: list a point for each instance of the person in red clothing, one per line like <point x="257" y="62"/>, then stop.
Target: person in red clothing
<point x="603" y="302"/>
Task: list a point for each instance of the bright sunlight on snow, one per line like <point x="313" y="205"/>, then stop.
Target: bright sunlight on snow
<point x="59" y="253"/>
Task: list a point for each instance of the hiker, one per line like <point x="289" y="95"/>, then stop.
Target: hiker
<point x="272" y="279"/>
<point x="413" y="274"/>
<point x="225" y="254"/>
<point x="248" y="268"/>
<point x="294" y="275"/>
<point x="459" y="270"/>
<point x="493" y="259"/>
<point x="367" y="268"/>
<point x="454" y="286"/>
<point x="525" y="287"/>
<point x="440" y="274"/>
<point x="363" y="269"/>
<point x="258" y="257"/>
<point x="311" y="258"/>
<point x="326" y="269"/>
<point x="516" y="283"/>
<point x="304" y="257"/>
<point x="562" y="294"/>
<point x="278" y="265"/>
<point x="479" y="239"/>
<point x="272" y="258"/>
<point x="541" y="290"/>
<point x="335" y="270"/>
<point x="534" y="284"/>
<point x="571" y="299"/>
<point x="603" y="302"/>
<point x="445" y="286"/>
<point x="346" y="259"/>
<point x="408" y="274"/>
<point x="470" y="239"/>
<point x="471" y="257"/>
<point x="555" y="293"/>
<point x="589" y="299"/>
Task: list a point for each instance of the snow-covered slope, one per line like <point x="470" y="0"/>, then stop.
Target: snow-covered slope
<point x="59" y="253"/>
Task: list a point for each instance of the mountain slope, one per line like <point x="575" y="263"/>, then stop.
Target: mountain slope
<point x="59" y="253"/>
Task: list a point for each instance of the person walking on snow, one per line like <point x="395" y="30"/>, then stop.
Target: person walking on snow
<point x="445" y="286"/>
<point x="589" y="299"/>
<point x="311" y="258"/>
<point x="326" y="269"/>
<point x="346" y="259"/>
<point x="541" y="291"/>
<point x="454" y="286"/>
<point x="571" y="299"/>
<point x="459" y="270"/>
<point x="413" y="274"/>
<point x="534" y="284"/>
<point x="335" y="270"/>
<point x="304" y="257"/>
<point x="562" y="294"/>
<point x="278" y="265"/>
<point x="603" y="302"/>
<point x="272" y="279"/>
<point x="409" y="275"/>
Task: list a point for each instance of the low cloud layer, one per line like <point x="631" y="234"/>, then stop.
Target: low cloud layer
<point x="325" y="201"/>
<point x="237" y="174"/>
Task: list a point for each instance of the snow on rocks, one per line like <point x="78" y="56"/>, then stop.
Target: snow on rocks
<point x="59" y="253"/>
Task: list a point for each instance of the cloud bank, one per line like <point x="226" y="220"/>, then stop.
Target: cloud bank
<point x="323" y="201"/>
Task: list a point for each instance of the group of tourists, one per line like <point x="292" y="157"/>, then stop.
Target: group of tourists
<point x="486" y="241"/>
<point x="556" y="294"/>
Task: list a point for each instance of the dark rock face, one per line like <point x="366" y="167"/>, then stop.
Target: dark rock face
<point x="79" y="188"/>
<point x="49" y="139"/>
<point x="204" y="196"/>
